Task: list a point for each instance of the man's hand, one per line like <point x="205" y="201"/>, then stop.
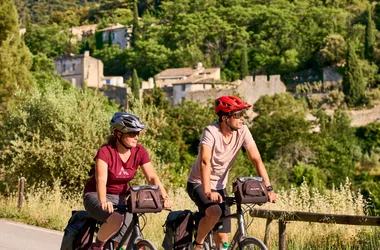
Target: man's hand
<point x="272" y="196"/>
<point x="214" y="196"/>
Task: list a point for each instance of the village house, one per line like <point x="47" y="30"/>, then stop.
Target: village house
<point x="84" y="70"/>
<point x="176" y="82"/>
<point x="83" y="31"/>
<point x="117" y="34"/>
<point x="200" y="84"/>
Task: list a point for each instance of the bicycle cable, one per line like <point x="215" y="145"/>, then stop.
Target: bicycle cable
<point x="248" y="208"/>
<point x="144" y="221"/>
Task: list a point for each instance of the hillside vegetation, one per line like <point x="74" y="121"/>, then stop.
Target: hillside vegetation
<point x="50" y="131"/>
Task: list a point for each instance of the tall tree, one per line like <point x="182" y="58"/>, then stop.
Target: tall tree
<point x="15" y="58"/>
<point x="136" y="27"/>
<point x="353" y="82"/>
<point x="135" y="85"/>
<point x="244" y="64"/>
<point x="369" y="35"/>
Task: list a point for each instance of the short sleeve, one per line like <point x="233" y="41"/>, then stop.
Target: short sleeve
<point x="104" y="154"/>
<point x="144" y="156"/>
<point x="207" y="138"/>
<point x="247" y="139"/>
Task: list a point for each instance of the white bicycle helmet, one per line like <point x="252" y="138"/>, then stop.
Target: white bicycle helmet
<point x="125" y="122"/>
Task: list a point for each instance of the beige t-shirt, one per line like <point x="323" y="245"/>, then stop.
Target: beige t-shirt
<point x="223" y="155"/>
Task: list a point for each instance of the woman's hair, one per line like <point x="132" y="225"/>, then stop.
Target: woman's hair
<point x="110" y="139"/>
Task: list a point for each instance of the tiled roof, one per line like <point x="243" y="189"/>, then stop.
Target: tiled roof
<point x="113" y="27"/>
<point x="176" y="72"/>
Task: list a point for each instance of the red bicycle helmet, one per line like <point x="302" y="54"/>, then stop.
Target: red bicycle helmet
<point x="228" y="104"/>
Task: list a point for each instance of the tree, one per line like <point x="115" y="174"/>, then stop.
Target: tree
<point x="244" y="64"/>
<point x="53" y="136"/>
<point x="15" y="58"/>
<point x="52" y="40"/>
<point x="333" y="51"/>
<point x="136" y="27"/>
<point x="113" y="59"/>
<point x="281" y="129"/>
<point x="369" y="35"/>
<point x="336" y="146"/>
<point x="353" y="82"/>
<point x="135" y="85"/>
<point x="157" y="99"/>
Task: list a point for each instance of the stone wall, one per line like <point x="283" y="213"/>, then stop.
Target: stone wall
<point x="358" y="117"/>
<point x="330" y="75"/>
<point x="363" y="117"/>
<point x="249" y="90"/>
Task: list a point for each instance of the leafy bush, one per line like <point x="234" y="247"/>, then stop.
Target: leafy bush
<point x="52" y="136"/>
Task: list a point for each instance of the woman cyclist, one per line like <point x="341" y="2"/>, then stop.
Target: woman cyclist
<point x="115" y="166"/>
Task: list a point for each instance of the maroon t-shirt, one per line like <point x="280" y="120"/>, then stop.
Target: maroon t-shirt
<point x="119" y="172"/>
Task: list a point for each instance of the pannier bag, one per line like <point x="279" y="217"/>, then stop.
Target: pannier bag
<point x="250" y="190"/>
<point x="79" y="232"/>
<point x="144" y="199"/>
<point x="178" y="230"/>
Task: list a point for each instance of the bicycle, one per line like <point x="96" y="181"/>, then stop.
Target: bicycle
<point x="240" y="239"/>
<point x="138" y="242"/>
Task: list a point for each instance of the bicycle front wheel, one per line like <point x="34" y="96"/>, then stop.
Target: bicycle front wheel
<point x="251" y="244"/>
<point x="144" y="245"/>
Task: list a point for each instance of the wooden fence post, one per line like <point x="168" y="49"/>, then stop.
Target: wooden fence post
<point x="21" y="187"/>
<point x="267" y="229"/>
<point x="282" y="235"/>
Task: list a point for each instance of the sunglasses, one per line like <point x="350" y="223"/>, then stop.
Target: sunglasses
<point x="238" y="115"/>
<point x="132" y="134"/>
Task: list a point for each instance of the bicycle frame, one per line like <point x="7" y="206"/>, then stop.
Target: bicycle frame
<point x="240" y="233"/>
<point x="134" y="226"/>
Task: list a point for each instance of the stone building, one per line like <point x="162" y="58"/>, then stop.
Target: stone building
<point x="80" y="70"/>
<point x="249" y="89"/>
<point x="177" y="82"/>
<point x="80" y="32"/>
<point x="118" y="35"/>
<point x="84" y="70"/>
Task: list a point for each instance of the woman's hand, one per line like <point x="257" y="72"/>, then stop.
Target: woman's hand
<point x="107" y="205"/>
<point x="167" y="202"/>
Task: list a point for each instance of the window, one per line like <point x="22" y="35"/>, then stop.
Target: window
<point x="204" y="86"/>
<point x="73" y="66"/>
<point x="108" y="81"/>
<point x="64" y="67"/>
<point x="113" y="36"/>
<point x="183" y="87"/>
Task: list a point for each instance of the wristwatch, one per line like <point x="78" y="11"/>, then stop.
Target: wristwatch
<point x="269" y="188"/>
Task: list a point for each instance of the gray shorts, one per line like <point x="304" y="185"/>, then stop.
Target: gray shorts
<point x="94" y="209"/>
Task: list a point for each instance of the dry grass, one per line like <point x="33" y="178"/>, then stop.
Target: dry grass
<point x="49" y="207"/>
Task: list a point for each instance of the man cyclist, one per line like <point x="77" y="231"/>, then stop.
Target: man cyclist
<point x="219" y="146"/>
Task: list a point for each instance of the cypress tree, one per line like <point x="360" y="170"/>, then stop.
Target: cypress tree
<point x="369" y="35"/>
<point x="244" y="64"/>
<point x="15" y="58"/>
<point x="135" y="85"/>
<point x="136" y="27"/>
<point x="353" y="82"/>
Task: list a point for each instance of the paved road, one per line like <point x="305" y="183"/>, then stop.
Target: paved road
<point x="18" y="236"/>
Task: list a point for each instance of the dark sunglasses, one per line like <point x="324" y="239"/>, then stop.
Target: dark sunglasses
<point x="238" y="115"/>
<point x="132" y="134"/>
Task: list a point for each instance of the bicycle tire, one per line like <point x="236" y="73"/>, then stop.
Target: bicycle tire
<point x="251" y="244"/>
<point x="144" y="245"/>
